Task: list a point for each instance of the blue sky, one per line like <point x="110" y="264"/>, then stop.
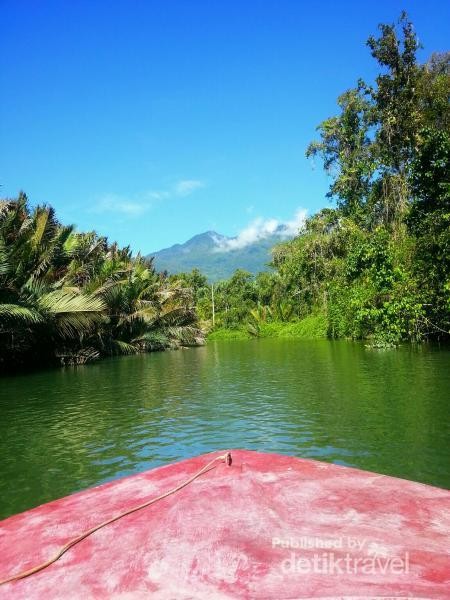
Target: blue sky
<point x="151" y="121"/>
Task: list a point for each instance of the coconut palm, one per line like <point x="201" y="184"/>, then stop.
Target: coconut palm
<point x="70" y="297"/>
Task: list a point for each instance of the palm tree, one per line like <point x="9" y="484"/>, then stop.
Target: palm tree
<point x="69" y="297"/>
<point x="38" y="314"/>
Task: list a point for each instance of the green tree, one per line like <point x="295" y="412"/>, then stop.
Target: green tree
<point x="429" y="221"/>
<point x="68" y="297"/>
<point x="346" y="149"/>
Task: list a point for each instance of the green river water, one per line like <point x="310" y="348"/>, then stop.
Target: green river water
<point x="385" y="411"/>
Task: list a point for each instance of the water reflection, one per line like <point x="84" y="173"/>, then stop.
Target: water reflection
<point x="65" y="430"/>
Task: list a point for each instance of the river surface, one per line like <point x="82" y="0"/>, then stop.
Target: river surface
<point x="384" y="411"/>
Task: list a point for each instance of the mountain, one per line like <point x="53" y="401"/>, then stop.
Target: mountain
<point x="218" y="256"/>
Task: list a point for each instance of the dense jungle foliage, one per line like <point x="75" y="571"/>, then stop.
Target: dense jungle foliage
<point x="68" y="297"/>
<point x="377" y="264"/>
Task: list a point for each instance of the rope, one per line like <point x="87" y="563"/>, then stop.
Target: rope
<point x="223" y="457"/>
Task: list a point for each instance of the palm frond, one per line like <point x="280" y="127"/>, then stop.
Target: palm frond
<point x="62" y="302"/>
<point x="122" y="347"/>
<point x="4" y="259"/>
<point x="23" y="314"/>
<point x="73" y="314"/>
<point x="186" y="335"/>
<point x="153" y="340"/>
<point x="75" y="325"/>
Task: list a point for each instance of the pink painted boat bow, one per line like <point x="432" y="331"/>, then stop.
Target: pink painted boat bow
<point x="268" y="526"/>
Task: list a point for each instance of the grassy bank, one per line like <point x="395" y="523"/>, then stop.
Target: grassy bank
<point x="311" y="327"/>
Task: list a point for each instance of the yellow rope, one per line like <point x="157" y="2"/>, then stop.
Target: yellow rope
<point x="223" y="457"/>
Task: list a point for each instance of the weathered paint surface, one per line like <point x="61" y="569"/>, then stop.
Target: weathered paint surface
<point x="269" y="526"/>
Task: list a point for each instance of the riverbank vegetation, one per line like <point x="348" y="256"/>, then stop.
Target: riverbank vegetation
<point x="374" y="265"/>
<point x="68" y="297"/>
<point x="377" y="264"/>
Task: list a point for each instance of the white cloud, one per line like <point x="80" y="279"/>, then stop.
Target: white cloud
<point x="158" y="195"/>
<point x="117" y="204"/>
<point x="293" y="226"/>
<point x="260" y="229"/>
<point x="187" y="186"/>
<point x="135" y="206"/>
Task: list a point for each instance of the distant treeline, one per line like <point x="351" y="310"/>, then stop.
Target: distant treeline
<point x="377" y="265"/>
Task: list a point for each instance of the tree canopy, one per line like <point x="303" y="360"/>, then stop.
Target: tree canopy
<point x="376" y="265"/>
<point x="68" y="297"/>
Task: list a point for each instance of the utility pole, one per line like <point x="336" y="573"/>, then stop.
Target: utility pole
<point x="212" y="302"/>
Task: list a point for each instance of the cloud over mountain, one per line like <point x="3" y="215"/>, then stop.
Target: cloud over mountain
<point x="218" y="256"/>
<point x="260" y="229"/>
